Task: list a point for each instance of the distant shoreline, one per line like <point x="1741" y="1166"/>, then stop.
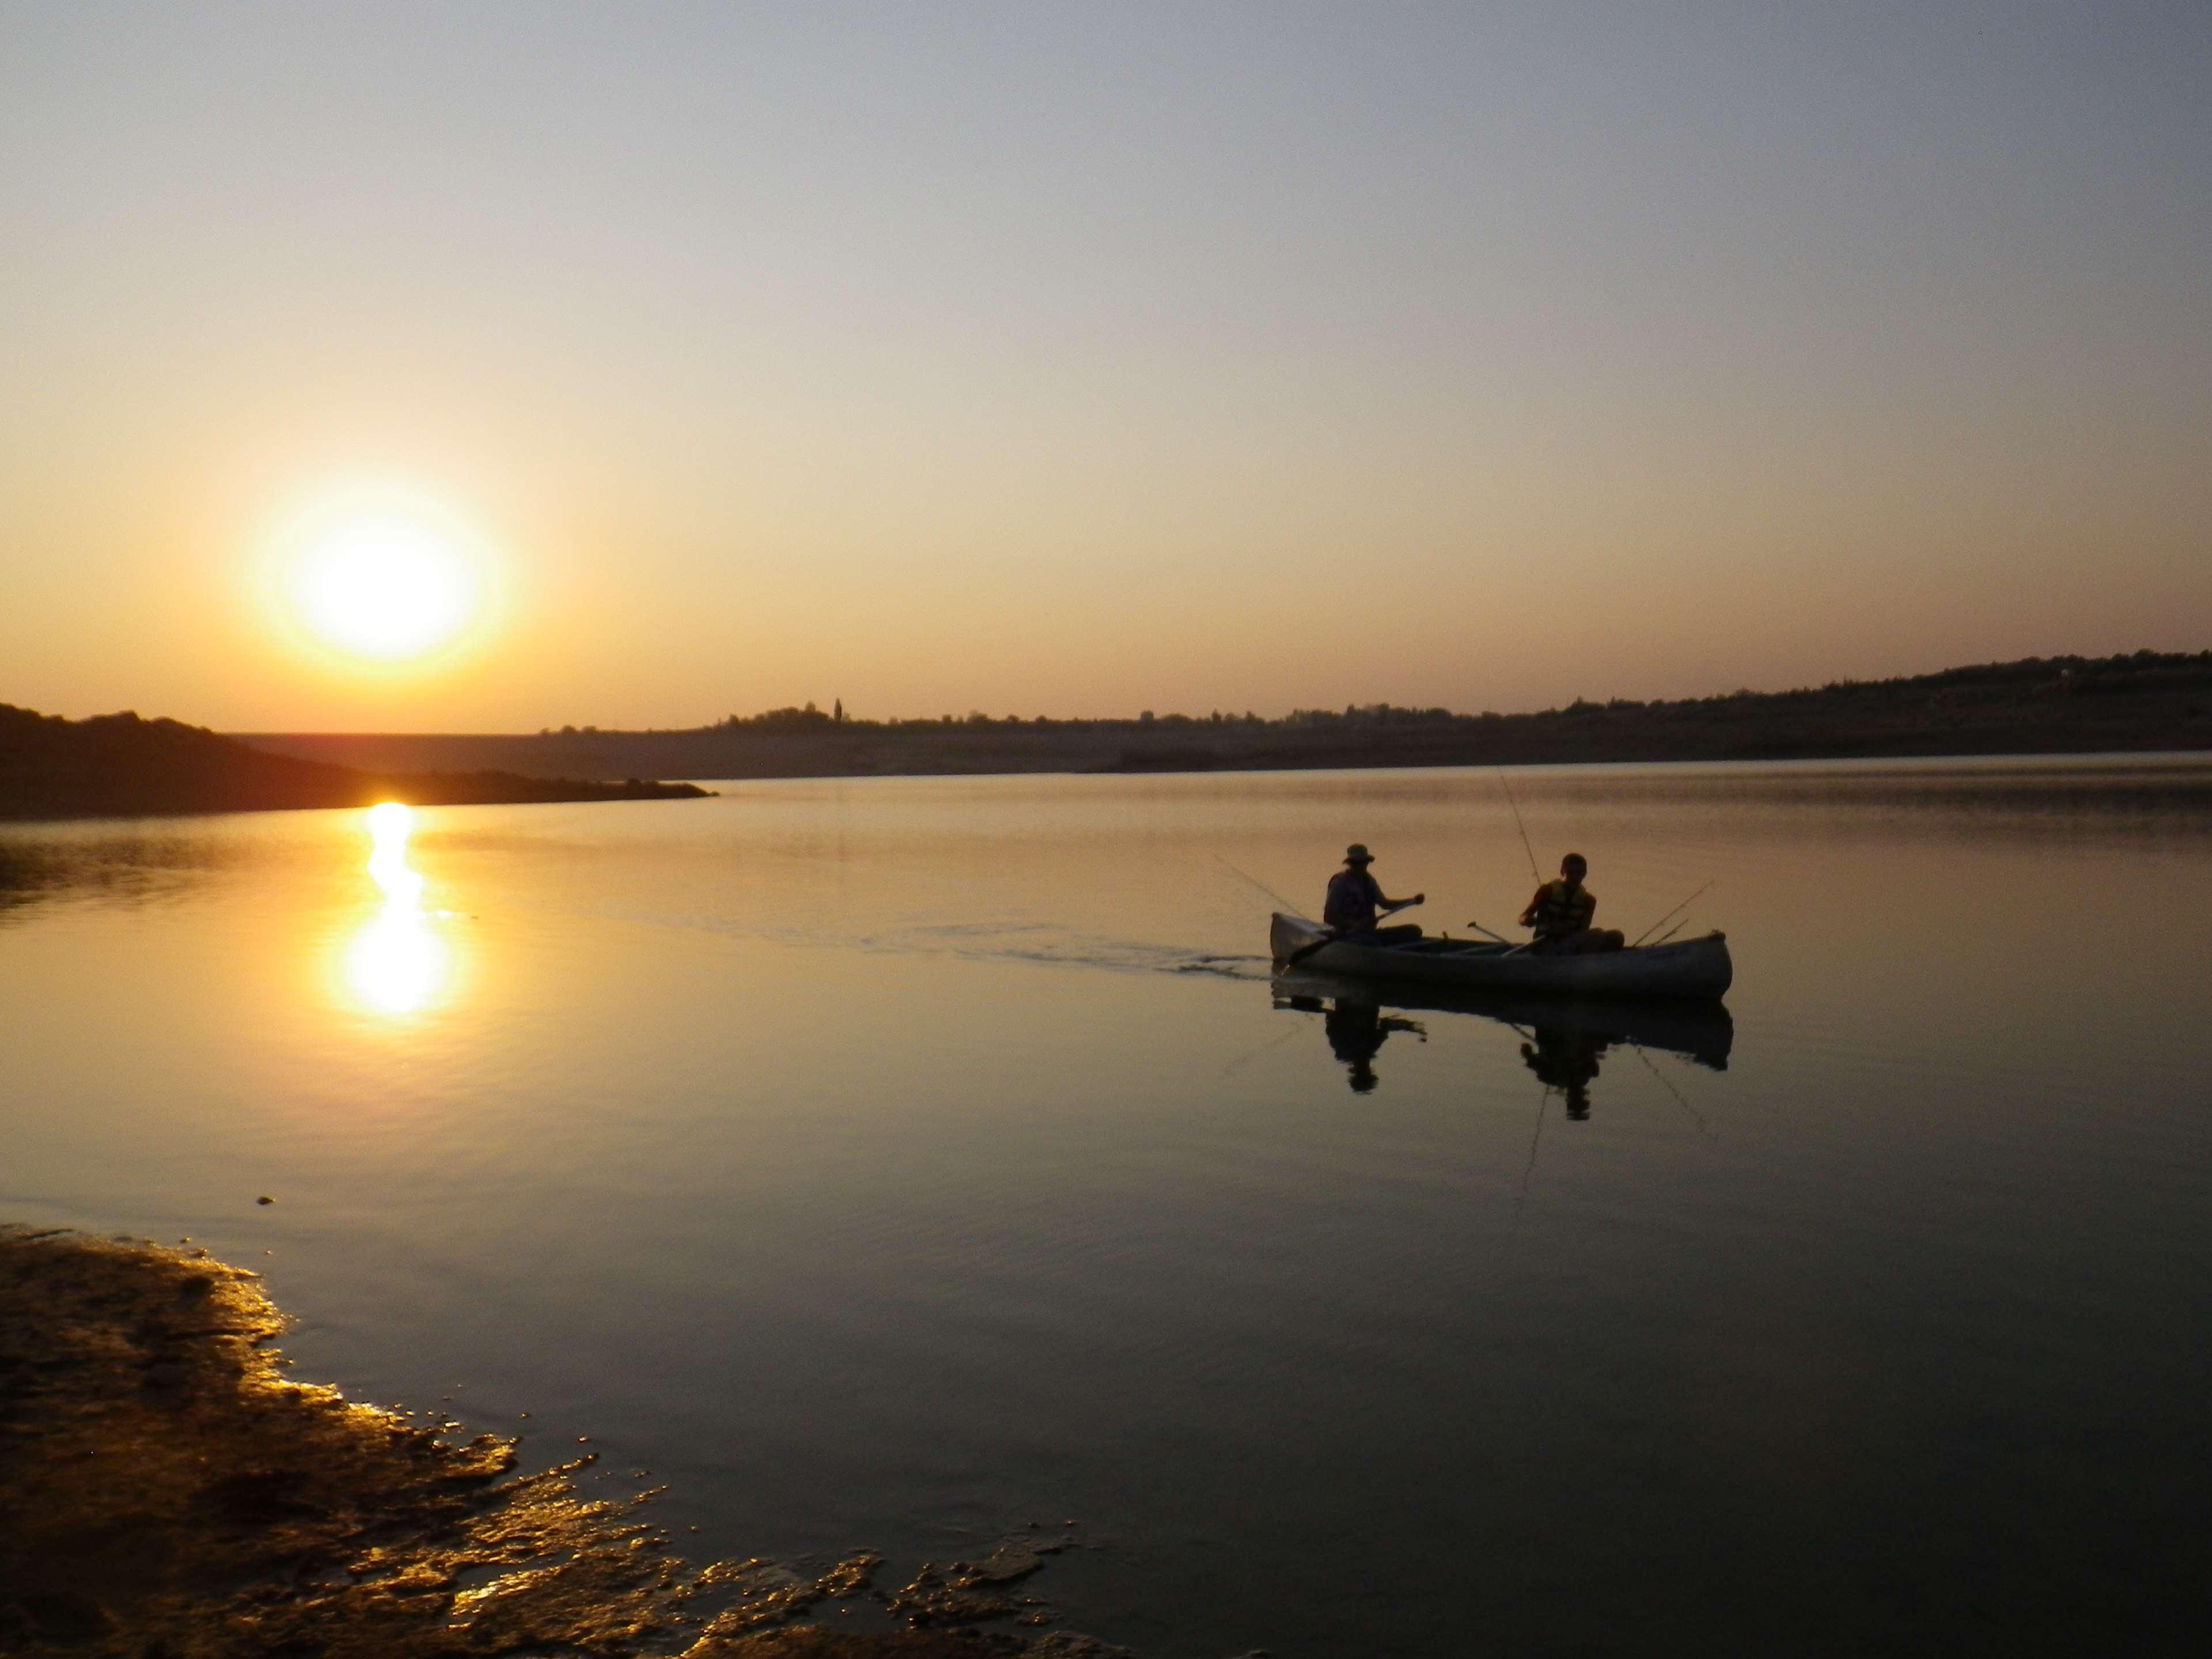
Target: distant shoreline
<point x="123" y="766"/>
<point x="2040" y="706"/>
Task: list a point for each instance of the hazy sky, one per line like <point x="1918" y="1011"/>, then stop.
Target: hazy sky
<point x="1055" y="359"/>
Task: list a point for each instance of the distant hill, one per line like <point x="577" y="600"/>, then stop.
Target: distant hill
<point x="119" y="765"/>
<point x="2056" y="705"/>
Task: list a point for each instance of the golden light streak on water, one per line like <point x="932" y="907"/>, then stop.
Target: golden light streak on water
<point x="396" y="964"/>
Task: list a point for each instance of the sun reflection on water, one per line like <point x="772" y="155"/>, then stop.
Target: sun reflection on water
<point x="395" y="964"/>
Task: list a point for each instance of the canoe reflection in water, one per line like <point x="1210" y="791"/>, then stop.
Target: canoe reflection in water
<point x="1563" y="1040"/>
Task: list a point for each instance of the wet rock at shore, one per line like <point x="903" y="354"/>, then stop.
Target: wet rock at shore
<point x="166" y="1492"/>
<point x="971" y="1592"/>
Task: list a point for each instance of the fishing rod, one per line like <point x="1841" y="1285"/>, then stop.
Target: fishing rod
<point x="1249" y="1055"/>
<point x="1696" y="1116"/>
<point x="1535" y="1140"/>
<point x="1676" y="911"/>
<point x="1263" y="887"/>
<point x="1522" y="827"/>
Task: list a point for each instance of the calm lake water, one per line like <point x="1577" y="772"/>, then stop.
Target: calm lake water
<point x="897" y="1163"/>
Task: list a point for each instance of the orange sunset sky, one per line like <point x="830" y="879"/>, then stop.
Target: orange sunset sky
<point x="493" y="366"/>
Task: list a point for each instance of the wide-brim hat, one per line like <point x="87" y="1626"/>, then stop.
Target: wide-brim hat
<point x="1358" y="854"/>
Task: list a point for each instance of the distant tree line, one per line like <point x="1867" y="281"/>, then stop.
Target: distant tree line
<point x="2061" y="676"/>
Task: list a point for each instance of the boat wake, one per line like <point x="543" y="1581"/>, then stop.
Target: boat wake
<point x="1040" y="942"/>
<point x="1249" y="968"/>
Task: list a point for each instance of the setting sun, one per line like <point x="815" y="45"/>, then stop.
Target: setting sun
<point x="383" y="589"/>
<point x="381" y="578"/>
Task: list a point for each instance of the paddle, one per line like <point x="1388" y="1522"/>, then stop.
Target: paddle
<point x="1305" y="950"/>
<point x="1403" y="904"/>
<point x="1512" y="949"/>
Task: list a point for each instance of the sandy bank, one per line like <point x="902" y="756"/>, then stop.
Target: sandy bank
<point x="167" y="1491"/>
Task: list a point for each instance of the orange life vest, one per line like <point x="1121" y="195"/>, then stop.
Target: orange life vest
<point x="1559" y="912"/>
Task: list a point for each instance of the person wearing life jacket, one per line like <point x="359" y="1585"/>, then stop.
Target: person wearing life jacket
<point x="1562" y="912"/>
<point x="1355" y="900"/>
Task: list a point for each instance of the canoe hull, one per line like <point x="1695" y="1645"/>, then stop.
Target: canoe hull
<point x="1690" y="968"/>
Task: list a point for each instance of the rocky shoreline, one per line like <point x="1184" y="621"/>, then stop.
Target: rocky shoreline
<point x="167" y="1491"/>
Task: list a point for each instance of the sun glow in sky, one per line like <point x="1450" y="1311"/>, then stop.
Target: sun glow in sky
<point x="384" y="589"/>
<point x="1078" y="360"/>
<point x="380" y="576"/>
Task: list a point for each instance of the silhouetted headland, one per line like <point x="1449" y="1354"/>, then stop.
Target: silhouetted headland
<point x="2040" y="706"/>
<point x="121" y="766"/>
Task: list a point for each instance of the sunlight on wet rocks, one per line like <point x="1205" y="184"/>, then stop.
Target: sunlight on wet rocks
<point x="969" y="1592"/>
<point x="166" y="1492"/>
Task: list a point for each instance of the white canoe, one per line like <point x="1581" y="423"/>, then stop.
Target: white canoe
<point x="1684" y="968"/>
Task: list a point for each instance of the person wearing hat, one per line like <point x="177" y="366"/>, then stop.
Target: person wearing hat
<point x="1355" y="900"/>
